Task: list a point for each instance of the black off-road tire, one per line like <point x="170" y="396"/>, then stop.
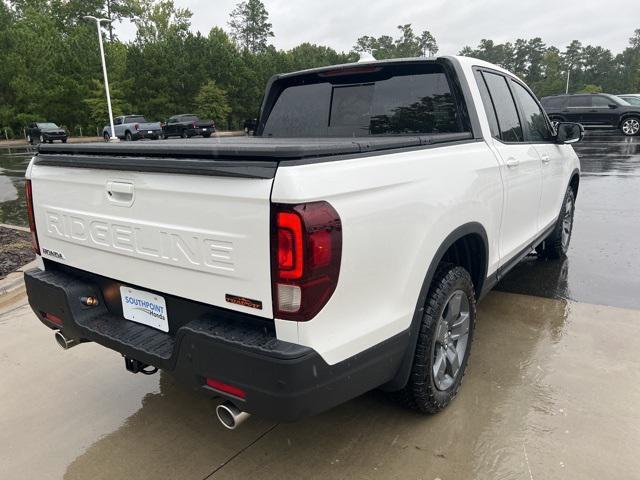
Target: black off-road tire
<point x="128" y="137"/>
<point x="207" y="135"/>
<point x="421" y="392"/>
<point x="556" y="245"/>
<point x="184" y="134"/>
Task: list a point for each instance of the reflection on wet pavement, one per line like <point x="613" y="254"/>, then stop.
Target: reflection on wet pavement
<point x="542" y="399"/>
<point x="603" y="264"/>
<point x="13" y="164"/>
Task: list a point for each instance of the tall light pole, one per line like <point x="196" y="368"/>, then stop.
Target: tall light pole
<point x="98" y="21"/>
<point x="566" y="90"/>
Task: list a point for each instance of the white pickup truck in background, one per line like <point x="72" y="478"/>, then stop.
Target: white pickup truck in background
<point x="341" y="249"/>
<point x="133" y="127"/>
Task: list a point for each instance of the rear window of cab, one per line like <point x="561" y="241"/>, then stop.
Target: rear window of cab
<point x="366" y="101"/>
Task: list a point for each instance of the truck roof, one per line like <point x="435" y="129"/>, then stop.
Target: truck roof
<point x="464" y="61"/>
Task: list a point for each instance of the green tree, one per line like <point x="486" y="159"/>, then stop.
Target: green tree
<point x="250" y="26"/>
<point x="591" y="89"/>
<point x="97" y="103"/>
<point x="118" y="10"/>
<point x="211" y="102"/>
<point x="408" y="44"/>
<point x="156" y="20"/>
<point x="428" y="44"/>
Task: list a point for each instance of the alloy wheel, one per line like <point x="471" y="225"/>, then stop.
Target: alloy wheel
<point x="631" y="126"/>
<point x="452" y="335"/>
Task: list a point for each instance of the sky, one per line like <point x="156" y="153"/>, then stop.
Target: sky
<point x="338" y="23"/>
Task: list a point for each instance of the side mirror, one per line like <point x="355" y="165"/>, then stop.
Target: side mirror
<point x="567" y="132"/>
<point x="613" y="106"/>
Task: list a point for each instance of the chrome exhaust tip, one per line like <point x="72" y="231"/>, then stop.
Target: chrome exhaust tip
<point x="64" y="342"/>
<point x="230" y="416"/>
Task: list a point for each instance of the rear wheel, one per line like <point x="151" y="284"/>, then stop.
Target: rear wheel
<point x="128" y="137"/>
<point x="206" y="135"/>
<point x="556" y="244"/>
<point x="41" y="138"/>
<point x="29" y="140"/>
<point x="64" y="140"/>
<point x="630" y="126"/>
<point x="444" y="342"/>
<point x="184" y="134"/>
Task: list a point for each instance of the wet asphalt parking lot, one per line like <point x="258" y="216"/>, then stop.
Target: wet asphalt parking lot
<point x="552" y="389"/>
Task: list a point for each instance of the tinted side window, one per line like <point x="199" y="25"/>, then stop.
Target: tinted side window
<point x="579" y="101"/>
<point x="399" y="100"/>
<point x="600" y="101"/>
<point x="488" y="105"/>
<point x="508" y="121"/>
<point x="552" y="103"/>
<point x="535" y="123"/>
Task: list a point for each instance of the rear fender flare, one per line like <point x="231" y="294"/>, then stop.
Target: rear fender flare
<point x="402" y="376"/>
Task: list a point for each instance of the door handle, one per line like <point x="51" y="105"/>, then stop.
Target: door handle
<point x="512" y="162"/>
<point x="545" y="158"/>
<point x="120" y="193"/>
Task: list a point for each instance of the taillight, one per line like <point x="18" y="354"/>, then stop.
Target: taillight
<point x="52" y="318"/>
<point x="194" y="125"/>
<point x="306" y="248"/>
<point x="137" y="126"/>
<point x="28" y="194"/>
<point x="226" y="388"/>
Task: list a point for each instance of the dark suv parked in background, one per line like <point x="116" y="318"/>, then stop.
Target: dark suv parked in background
<point x="40" y="132"/>
<point x="595" y="110"/>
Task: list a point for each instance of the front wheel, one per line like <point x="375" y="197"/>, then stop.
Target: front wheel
<point x="29" y="140"/>
<point x="41" y="139"/>
<point x="106" y="137"/>
<point x="444" y="341"/>
<point x="556" y="244"/>
<point x="630" y="126"/>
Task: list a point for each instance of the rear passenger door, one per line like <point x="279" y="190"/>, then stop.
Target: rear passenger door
<point x="520" y="166"/>
<point x="603" y="111"/>
<point x="170" y="127"/>
<point x="577" y="108"/>
<point x="554" y="162"/>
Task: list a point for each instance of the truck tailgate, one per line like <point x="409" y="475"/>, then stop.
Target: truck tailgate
<point x="200" y="237"/>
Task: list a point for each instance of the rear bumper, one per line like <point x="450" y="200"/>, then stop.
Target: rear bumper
<point x="282" y="381"/>
<point x="54" y="136"/>
<point x="201" y="131"/>
<point x="155" y="134"/>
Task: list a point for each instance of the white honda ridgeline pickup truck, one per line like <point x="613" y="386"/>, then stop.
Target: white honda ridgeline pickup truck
<point x="341" y="249"/>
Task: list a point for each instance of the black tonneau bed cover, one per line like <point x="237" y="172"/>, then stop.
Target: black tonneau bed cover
<point x="254" y="157"/>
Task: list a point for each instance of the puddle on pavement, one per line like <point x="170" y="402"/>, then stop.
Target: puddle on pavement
<point x="13" y="164"/>
<point x="542" y="395"/>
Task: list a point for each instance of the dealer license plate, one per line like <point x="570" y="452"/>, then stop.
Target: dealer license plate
<point x="144" y="307"/>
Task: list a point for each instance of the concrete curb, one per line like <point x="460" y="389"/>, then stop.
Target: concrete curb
<point x="15" y="227"/>
<point x="15" y="281"/>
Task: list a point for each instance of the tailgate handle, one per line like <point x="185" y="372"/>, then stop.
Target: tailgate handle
<point x="120" y="193"/>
